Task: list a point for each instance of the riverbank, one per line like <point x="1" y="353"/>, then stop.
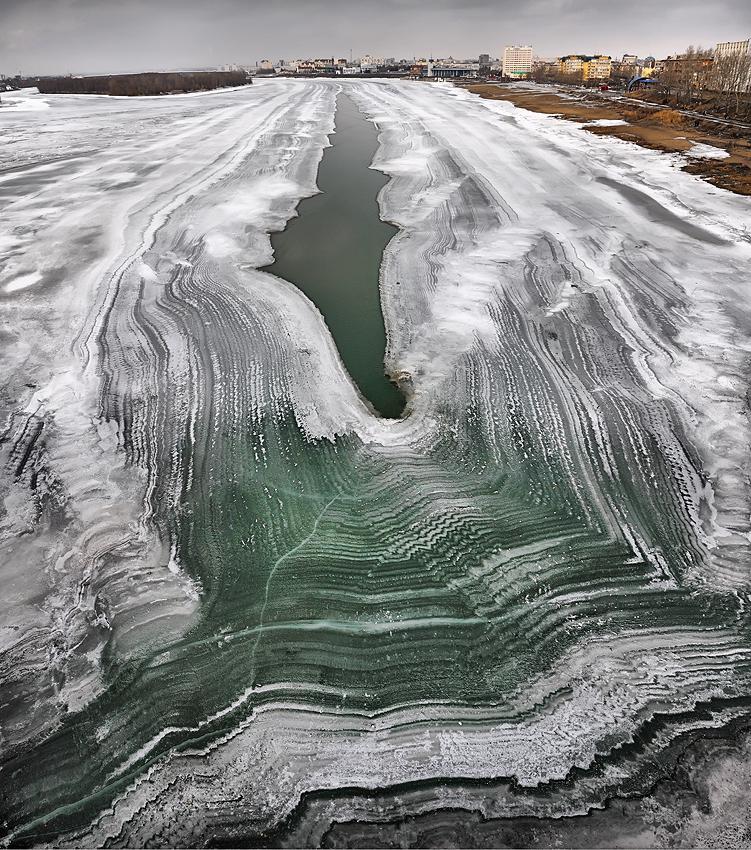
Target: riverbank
<point x="721" y="155"/>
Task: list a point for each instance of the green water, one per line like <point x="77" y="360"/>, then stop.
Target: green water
<point x="332" y="251"/>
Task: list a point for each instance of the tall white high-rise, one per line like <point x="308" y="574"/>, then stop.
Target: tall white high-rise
<point x="517" y="60"/>
<point x="733" y="48"/>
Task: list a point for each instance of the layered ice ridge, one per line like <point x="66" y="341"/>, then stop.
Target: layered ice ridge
<point x="486" y="604"/>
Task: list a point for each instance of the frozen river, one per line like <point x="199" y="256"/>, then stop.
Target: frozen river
<point x="240" y="607"/>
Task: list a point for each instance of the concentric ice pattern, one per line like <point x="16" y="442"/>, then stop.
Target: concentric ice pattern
<point x="240" y="608"/>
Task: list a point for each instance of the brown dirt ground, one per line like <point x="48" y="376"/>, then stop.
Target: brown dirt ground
<point x="658" y="130"/>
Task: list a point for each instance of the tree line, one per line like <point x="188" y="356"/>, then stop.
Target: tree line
<point x="134" y="85"/>
<point x="698" y="75"/>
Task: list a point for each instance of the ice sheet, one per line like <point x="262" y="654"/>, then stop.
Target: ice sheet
<point x="235" y="588"/>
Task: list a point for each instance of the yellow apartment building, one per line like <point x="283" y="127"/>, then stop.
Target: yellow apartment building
<point x="596" y="68"/>
<point x="585" y="67"/>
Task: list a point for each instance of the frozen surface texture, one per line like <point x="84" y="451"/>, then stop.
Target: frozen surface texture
<point x="239" y="608"/>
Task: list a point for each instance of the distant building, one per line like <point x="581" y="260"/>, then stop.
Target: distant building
<point x="733" y="65"/>
<point x="596" y="68"/>
<point x="733" y="48"/>
<point x="687" y="70"/>
<point x="484" y="60"/>
<point x="585" y="68"/>
<point x="452" y="70"/>
<point x="571" y="66"/>
<point x="517" y="61"/>
<point x="370" y="63"/>
<point x="544" y="69"/>
<point x="630" y="59"/>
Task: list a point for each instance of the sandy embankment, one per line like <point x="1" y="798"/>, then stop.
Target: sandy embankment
<point x="664" y="130"/>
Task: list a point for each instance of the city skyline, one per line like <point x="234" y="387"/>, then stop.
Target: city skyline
<point x="84" y="36"/>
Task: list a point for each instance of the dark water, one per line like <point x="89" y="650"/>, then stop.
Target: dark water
<point x="332" y="251"/>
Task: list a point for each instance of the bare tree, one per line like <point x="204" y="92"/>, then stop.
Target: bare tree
<point x="686" y="76"/>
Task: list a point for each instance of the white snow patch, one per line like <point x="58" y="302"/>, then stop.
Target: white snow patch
<point x="24" y="100"/>
<point x="700" y="151"/>
<point x="607" y="122"/>
<point x="23" y="281"/>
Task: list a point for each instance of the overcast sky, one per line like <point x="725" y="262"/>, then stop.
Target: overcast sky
<point x="62" y="36"/>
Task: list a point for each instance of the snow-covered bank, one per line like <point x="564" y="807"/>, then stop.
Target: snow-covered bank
<point x="23" y="100"/>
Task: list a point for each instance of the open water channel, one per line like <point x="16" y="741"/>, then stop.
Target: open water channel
<point x="332" y="251"/>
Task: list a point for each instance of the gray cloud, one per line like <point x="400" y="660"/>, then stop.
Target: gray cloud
<point x="59" y="36"/>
